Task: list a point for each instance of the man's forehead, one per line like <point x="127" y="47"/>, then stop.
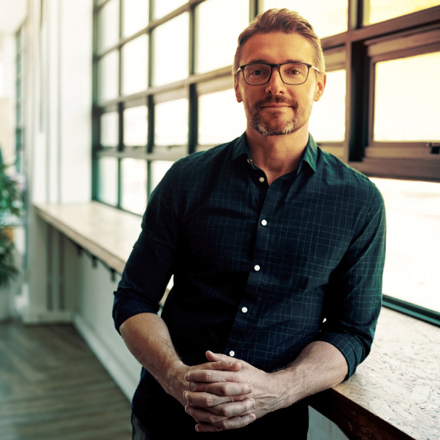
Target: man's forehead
<point x="277" y="46"/>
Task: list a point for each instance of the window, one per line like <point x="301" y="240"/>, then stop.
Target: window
<point x="403" y="88"/>
<point x="327" y="18"/>
<point x="221" y="118"/>
<point x="328" y="117"/>
<point x="163" y="90"/>
<point x="413" y="240"/>
<point x="170" y="42"/>
<point x="135" y="65"/>
<point x="215" y="48"/>
<point x="381" y="10"/>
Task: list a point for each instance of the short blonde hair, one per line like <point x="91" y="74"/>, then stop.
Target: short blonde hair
<point x="280" y="20"/>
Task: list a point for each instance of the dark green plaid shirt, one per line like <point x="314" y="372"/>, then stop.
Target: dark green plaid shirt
<point x="260" y="271"/>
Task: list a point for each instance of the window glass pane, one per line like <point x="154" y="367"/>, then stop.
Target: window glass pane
<point x="407" y="97"/>
<point x="108" y="25"/>
<point x="327" y="122"/>
<point x="108" y="77"/>
<point x="135" y="66"/>
<point x="158" y="170"/>
<point x="413" y="241"/>
<point x="135" y="126"/>
<point x="215" y="47"/>
<point x="380" y="10"/>
<point x="171" y="123"/>
<point x="171" y="50"/>
<point x="134" y="185"/>
<point x="221" y="118"/>
<point x="108" y="180"/>
<point x="135" y="16"/>
<point x="326" y="17"/>
<point x="109" y="129"/>
<point x="162" y="7"/>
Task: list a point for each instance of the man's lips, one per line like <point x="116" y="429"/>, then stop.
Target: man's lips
<point x="276" y="106"/>
<point x="276" y="103"/>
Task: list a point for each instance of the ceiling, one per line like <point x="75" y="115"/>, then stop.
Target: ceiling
<point x="12" y="15"/>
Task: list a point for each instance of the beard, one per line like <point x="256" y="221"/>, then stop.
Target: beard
<point x="275" y="125"/>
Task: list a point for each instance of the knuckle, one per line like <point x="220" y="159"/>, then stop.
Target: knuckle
<point x="225" y="412"/>
<point x="207" y="375"/>
<point x="223" y="389"/>
<point x="209" y="401"/>
<point x="213" y="419"/>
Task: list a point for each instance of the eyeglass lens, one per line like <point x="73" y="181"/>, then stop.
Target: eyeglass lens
<point x="291" y="73"/>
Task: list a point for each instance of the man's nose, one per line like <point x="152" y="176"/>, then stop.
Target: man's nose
<point x="275" y="84"/>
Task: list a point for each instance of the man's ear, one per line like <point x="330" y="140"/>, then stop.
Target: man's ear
<point x="320" y="86"/>
<point x="237" y="89"/>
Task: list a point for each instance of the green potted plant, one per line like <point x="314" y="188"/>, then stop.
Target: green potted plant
<point x="11" y="202"/>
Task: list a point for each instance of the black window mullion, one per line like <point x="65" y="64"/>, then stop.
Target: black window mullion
<point x="192" y="89"/>
<point x="254" y="8"/>
<point x="355" y="14"/>
<point x="95" y="111"/>
<point x="358" y="101"/>
<point x="120" y="108"/>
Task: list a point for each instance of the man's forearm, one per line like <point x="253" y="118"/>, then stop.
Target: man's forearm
<point x="146" y="336"/>
<point x="318" y="367"/>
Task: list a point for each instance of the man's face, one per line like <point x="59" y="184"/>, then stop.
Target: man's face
<point x="276" y="108"/>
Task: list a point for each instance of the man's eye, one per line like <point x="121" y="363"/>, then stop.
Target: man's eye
<point x="256" y="72"/>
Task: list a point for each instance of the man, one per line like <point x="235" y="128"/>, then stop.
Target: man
<point x="277" y="253"/>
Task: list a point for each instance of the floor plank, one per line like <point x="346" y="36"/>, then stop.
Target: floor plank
<point x="53" y="387"/>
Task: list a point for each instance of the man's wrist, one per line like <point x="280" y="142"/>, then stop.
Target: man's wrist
<point x="286" y="387"/>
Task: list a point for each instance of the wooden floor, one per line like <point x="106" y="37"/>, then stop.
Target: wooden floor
<point x="53" y="388"/>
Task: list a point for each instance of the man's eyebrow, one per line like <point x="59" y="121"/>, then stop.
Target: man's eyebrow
<point x="265" y="61"/>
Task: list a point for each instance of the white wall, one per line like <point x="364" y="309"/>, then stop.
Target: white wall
<point x="7" y="94"/>
<point x="58" y="84"/>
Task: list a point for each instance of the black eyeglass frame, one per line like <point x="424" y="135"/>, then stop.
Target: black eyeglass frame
<point x="279" y="70"/>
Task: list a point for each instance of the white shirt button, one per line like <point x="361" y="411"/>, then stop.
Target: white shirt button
<point x="257" y="268"/>
<point x="232" y="353"/>
<point x="244" y="309"/>
<point x="264" y="222"/>
<point x="261" y="179"/>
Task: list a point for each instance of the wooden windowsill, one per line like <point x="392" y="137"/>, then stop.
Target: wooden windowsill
<point x="395" y="393"/>
<point x="105" y="232"/>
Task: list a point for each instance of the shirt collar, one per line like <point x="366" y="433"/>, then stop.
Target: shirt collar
<point x="310" y="155"/>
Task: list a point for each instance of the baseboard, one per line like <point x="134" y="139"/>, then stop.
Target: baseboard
<point x="126" y="382"/>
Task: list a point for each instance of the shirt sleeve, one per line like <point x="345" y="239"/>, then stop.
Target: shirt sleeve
<point x="355" y="288"/>
<point x="151" y="262"/>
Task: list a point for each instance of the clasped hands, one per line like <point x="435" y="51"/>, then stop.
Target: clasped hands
<point x="227" y="393"/>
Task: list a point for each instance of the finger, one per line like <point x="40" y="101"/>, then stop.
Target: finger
<point x="213" y="374"/>
<point x="227" y="424"/>
<point x="221" y="388"/>
<point x="209" y="400"/>
<point x="218" y="413"/>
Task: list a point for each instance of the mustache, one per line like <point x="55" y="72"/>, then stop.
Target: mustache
<point x="276" y="99"/>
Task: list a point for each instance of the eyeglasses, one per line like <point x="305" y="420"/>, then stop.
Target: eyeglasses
<point x="293" y="74"/>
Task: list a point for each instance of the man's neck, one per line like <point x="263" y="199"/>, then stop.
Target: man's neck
<point x="277" y="155"/>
